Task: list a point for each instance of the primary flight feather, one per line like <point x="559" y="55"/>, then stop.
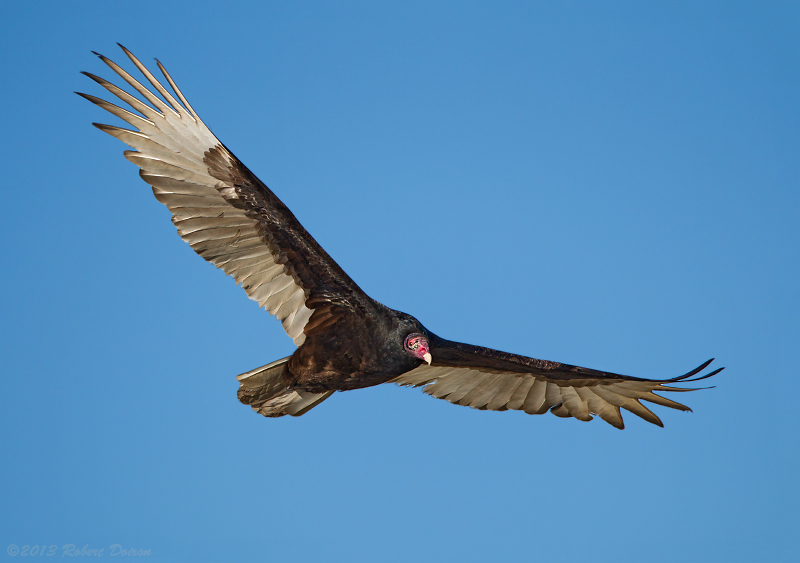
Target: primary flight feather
<point x="345" y="339"/>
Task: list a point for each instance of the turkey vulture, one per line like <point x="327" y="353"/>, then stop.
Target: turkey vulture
<point x="345" y="340"/>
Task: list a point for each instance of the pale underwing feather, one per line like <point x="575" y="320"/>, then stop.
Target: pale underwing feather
<point x="552" y="395"/>
<point x="600" y="407"/>
<point x="520" y="393"/>
<point x="607" y="392"/>
<point x="534" y="394"/>
<point x="574" y="404"/>
<point x="467" y="384"/>
<point x="534" y="403"/>
<point x="501" y="399"/>
<point x="481" y="393"/>
<point x="446" y="383"/>
<point x="171" y="146"/>
<point x="561" y="411"/>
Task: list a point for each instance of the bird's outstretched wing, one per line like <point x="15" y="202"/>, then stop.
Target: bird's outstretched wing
<point x="483" y="378"/>
<point x="224" y="212"/>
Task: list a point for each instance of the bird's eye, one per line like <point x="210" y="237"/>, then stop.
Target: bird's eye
<point x="413" y="341"/>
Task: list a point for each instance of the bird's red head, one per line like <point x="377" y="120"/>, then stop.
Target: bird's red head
<point x="417" y="345"/>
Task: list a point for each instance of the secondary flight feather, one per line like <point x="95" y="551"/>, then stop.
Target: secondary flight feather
<point x="345" y="339"/>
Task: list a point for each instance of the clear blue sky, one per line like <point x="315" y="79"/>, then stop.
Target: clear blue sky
<point x="612" y="185"/>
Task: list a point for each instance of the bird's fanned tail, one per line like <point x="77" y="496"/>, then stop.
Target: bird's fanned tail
<point x="265" y="391"/>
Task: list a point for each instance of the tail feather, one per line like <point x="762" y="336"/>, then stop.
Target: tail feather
<point x="265" y="391"/>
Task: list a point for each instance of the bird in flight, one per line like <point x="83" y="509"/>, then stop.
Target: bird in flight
<point x="345" y="339"/>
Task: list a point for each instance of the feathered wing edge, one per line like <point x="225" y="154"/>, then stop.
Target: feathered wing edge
<point x="176" y="152"/>
<point x="484" y="389"/>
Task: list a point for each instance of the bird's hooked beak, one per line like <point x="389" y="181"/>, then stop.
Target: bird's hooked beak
<point x="427" y="357"/>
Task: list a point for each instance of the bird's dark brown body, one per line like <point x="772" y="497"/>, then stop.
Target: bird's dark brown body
<point x="362" y="352"/>
<point x="345" y="339"/>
